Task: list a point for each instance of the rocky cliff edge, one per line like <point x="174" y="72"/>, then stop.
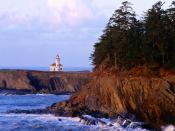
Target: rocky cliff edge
<point x="150" y="98"/>
<point x="43" y="82"/>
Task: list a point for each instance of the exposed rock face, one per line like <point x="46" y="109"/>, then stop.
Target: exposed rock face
<point x="44" y="82"/>
<point x="150" y="98"/>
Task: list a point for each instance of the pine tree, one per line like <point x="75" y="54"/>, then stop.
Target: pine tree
<point x="156" y="35"/>
<point x="171" y="15"/>
<point x="127" y="42"/>
<point x="121" y="22"/>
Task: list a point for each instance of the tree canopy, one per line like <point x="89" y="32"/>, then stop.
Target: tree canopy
<point x="128" y="42"/>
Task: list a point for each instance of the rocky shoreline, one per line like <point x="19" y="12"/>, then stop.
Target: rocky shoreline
<point x="151" y="98"/>
<point x="123" y="120"/>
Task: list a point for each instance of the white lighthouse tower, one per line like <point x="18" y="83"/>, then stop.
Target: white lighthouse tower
<point x="57" y="66"/>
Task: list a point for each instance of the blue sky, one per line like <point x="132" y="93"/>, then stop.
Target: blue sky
<point x="32" y="32"/>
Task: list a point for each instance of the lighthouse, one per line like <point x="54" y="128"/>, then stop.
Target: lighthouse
<point x="57" y="66"/>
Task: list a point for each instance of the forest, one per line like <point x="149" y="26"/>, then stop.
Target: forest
<point x="129" y="40"/>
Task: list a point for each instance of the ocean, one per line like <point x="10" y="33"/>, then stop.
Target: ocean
<point x="49" y="122"/>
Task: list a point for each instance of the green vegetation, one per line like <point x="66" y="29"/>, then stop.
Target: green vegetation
<point x="129" y="42"/>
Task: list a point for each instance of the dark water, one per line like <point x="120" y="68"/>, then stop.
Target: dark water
<point x="23" y="102"/>
<point x="44" y="122"/>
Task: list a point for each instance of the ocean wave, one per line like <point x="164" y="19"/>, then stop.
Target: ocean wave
<point x="49" y="121"/>
<point x="168" y="128"/>
<point x="118" y="123"/>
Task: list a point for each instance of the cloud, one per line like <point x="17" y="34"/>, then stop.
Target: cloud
<point x="57" y="13"/>
<point x="51" y="13"/>
<point x="69" y="11"/>
<point x="48" y="13"/>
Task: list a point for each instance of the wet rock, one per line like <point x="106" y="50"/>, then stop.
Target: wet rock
<point x="89" y="120"/>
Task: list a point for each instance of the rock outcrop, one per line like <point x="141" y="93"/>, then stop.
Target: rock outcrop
<point x="150" y="98"/>
<point x="43" y="82"/>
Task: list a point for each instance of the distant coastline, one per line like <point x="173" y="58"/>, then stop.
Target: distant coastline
<point x="30" y="81"/>
<point x="45" y="68"/>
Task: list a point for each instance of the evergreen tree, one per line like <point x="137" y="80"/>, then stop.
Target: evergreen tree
<point x="127" y="42"/>
<point x="121" y="23"/>
<point x="113" y="44"/>
<point x="171" y="15"/>
<point x="158" y="42"/>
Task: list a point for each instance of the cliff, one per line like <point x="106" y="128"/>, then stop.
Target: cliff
<point x="43" y="82"/>
<point x="150" y="97"/>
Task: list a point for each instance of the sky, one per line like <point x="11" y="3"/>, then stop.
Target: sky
<point x="32" y="32"/>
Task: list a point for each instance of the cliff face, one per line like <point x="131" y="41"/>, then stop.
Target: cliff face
<point x="49" y="82"/>
<point x="150" y="98"/>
